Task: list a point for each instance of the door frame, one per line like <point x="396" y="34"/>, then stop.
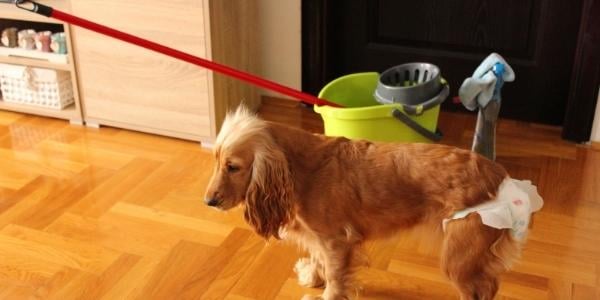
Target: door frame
<point x="314" y="32"/>
<point x="585" y="76"/>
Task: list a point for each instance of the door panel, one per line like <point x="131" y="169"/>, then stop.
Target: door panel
<point x="431" y="24"/>
<point x="538" y="38"/>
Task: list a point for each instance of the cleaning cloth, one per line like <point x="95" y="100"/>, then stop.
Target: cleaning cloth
<point x="477" y="90"/>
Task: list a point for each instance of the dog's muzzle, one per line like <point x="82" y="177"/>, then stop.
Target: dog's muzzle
<point x="211" y="201"/>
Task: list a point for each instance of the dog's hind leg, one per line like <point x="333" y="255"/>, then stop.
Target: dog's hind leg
<point x="474" y="255"/>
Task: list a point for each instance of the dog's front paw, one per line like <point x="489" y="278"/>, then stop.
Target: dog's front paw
<point x="311" y="297"/>
<point x="308" y="273"/>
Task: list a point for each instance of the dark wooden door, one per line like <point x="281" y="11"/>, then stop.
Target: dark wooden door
<point x="537" y="37"/>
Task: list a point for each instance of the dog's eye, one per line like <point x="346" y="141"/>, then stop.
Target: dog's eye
<point x="232" y="169"/>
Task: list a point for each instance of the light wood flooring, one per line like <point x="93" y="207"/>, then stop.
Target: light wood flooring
<point x="114" y="214"/>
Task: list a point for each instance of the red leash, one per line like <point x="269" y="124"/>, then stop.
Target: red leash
<point x="57" y="14"/>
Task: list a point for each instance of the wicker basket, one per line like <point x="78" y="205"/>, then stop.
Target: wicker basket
<point x="35" y="86"/>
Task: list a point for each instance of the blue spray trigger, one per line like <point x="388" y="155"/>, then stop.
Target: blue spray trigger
<point x="498" y="69"/>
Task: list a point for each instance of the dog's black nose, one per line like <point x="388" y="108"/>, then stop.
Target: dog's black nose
<point x="211" y="201"/>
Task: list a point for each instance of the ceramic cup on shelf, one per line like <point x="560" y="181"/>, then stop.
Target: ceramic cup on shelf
<point x="59" y="43"/>
<point x="27" y="39"/>
<point x="9" y="37"/>
<point x="43" y="40"/>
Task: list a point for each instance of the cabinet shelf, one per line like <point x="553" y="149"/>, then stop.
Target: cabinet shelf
<point x="18" y="60"/>
<point x="12" y="16"/>
<point x="69" y="113"/>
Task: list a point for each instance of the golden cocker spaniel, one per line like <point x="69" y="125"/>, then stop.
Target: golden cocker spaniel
<point x="331" y="194"/>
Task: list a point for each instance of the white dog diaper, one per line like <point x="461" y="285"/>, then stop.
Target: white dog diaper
<point x="512" y="208"/>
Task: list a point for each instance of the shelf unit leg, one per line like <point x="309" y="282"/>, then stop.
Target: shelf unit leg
<point x="207" y="144"/>
<point x="76" y="122"/>
<point x="92" y="124"/>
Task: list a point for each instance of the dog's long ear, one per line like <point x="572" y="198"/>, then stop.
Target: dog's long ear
<point x="269" y="197"/>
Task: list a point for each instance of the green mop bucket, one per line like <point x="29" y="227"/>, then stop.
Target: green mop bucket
<point x="362" y="117"/>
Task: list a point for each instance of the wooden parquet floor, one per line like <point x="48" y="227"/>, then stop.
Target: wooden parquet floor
<point x="114" y="214"/>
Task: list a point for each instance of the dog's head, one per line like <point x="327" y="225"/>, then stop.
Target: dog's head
<point x="251" y="169"/>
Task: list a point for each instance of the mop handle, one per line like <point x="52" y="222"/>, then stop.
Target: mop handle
<point x="57" y="14"/>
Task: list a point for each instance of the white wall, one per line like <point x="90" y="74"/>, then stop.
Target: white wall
<point x="280" y="42"/>
<point x="596" y="128"/>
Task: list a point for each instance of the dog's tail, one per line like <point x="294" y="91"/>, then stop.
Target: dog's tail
<point x="507" y="250"/>
<point x="474" y="255"/>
